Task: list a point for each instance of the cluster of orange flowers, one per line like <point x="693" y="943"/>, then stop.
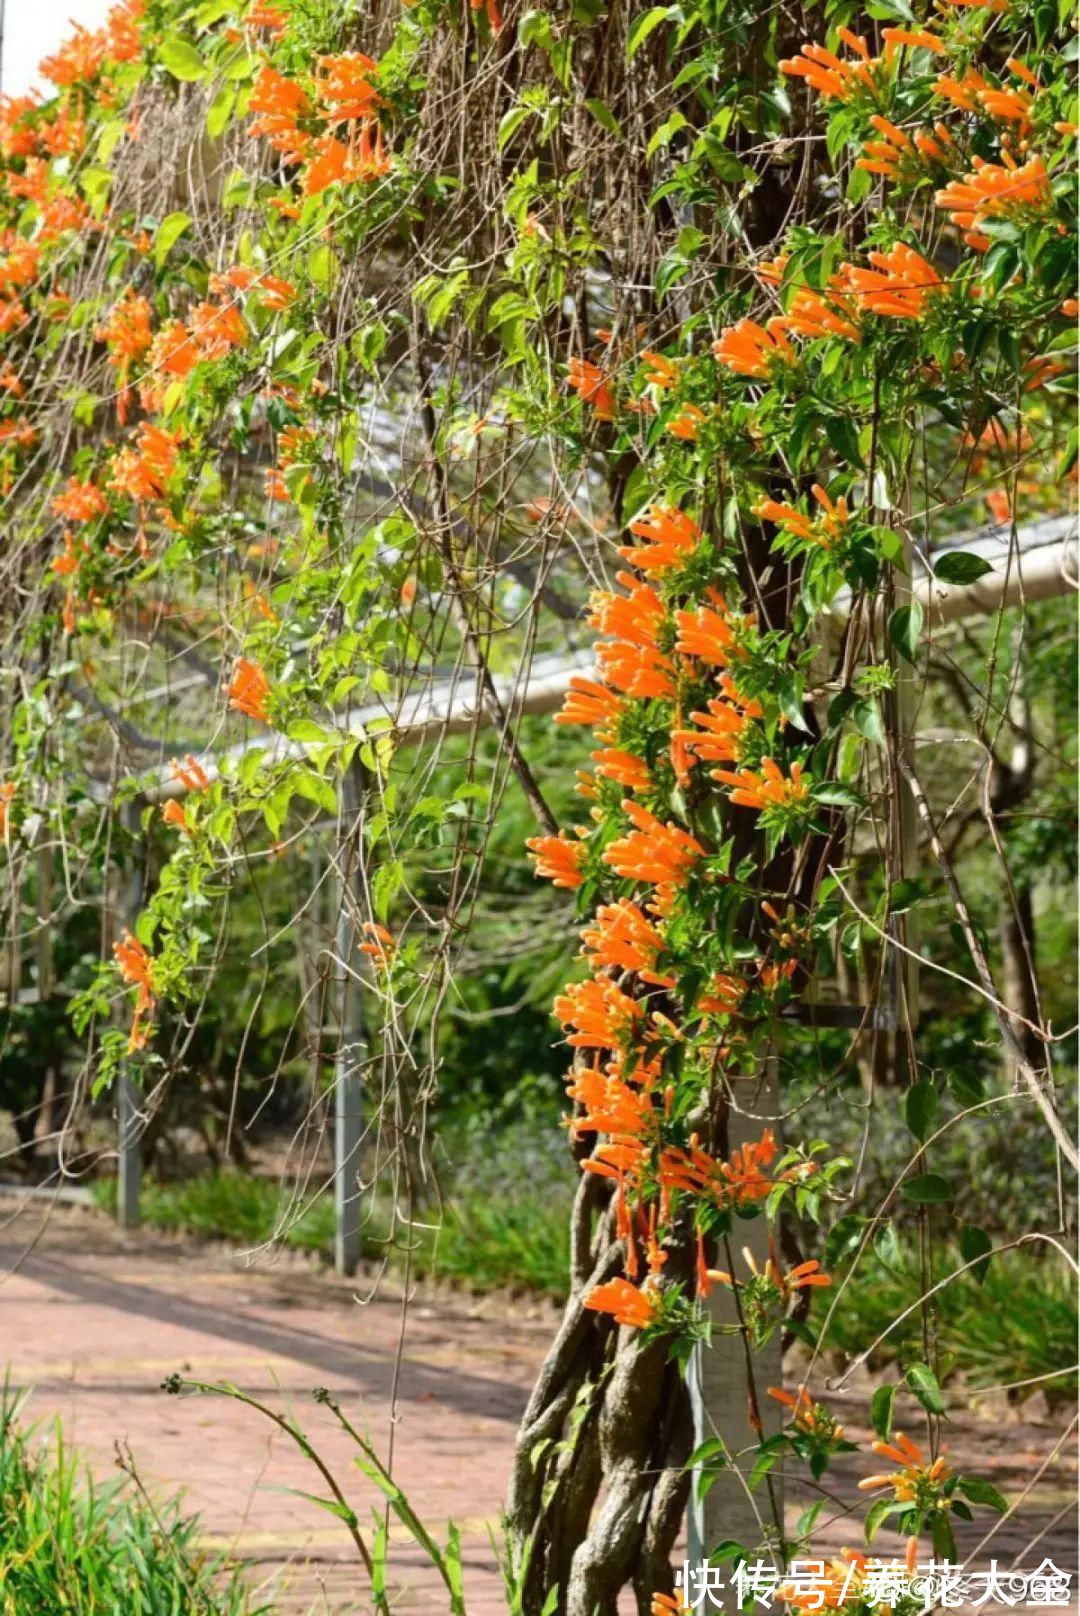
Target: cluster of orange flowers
<point x="83" y="56"/>
<point x="841" y="78"/>
<point x="826" y="530"/>
<point x="249" y="691"/>
<point x="137" y="969"/>
<point x="899" y="285"/>
<point x="995" y="191"/>
<point x="344" y="94"/>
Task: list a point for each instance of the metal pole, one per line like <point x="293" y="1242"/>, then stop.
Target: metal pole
<point x="129" y="1152"/>
<point x="128" y="1095"/>
<point x="350" y="1051"/>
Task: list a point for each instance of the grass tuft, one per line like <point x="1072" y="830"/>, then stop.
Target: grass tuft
<point x="72" y="1547"/>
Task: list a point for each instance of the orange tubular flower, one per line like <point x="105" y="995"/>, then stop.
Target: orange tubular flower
<point x="491" y="10"/>
<point x="812" y="314"/>
<point x="77" y="61"/>
<point x="380" y="945"/>
<point x="750" y="349"/>
<point x="610" y="1105"/>
<point x="127" y="330"/>
<point x="837" y="1591"/>
<point x="136" y="968"/>
<point x="604" y="1016"/>
<point x="769" y="789"/>
<point x="983" y="5"/>
<point x="621" y="937"/>
<point x="174" y="814"/>
<point x="807" y="1414"/>
<point x="914" y="38"/>
<point x="275" y="294"/>
<point x="662" y="372"/>
<point x="687" y="424"/>
<point x="654" y="852"/>
<point x="637" y="671"/>
<point x="963" y="93"/>
<point x="272" y="18"/>
<point x="622" y="767"/>
<point x="992" y="191"/>
<point x="122" y="34"/>
<point x="827" y="73"/>
<point x="626" y="1304"/>
<point x="727" y="995"/>
<point x="248" y="690"/>
<point x="590" y="703"/>
<point x="345" y="87"/>
<point x="915" y="1476"/>
<point x="825" y="530"/>
<point x="216" y="328"/>
<point x="592" y="387"/>
<point x="142" y="472"/>
<point x="708" y="633"/>
<point x="771" y="270"/>
<point x="722" y="728"/>
<point x="80" y="502"/>
<point x="279" y="103"/>
<point x="1008" y="105"/>
<point x="740" y="1182"/>
<point x="190" y="774"/>
<point x="558" y="859"/>
<point x="633" y="664"/>
<point x="900" y="285"/>
<point x="670" y="537"/>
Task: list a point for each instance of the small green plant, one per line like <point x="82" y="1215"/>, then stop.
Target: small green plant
<point x="72" y="1547"/>
<point x="372" y="1549"/>
<point x="1018" y="1326"/>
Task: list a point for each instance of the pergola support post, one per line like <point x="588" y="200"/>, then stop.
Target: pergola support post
<point x="348" y="1061"/>
<point x="129" y="1120"/>
<point x="129" y="1153"/>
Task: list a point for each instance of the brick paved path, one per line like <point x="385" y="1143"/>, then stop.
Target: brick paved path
<point x="93" y="1321"/>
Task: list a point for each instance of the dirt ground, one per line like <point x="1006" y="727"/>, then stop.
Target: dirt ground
<point x="93" y="1321"/>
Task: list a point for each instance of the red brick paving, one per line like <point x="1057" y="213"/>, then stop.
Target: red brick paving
<point x="93" y="1321"/>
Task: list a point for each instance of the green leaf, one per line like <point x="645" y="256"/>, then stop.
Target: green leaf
<point x="843" y="436"/>
<point x="643" y="27"/>
<point x="510" y="123"/>
<point x="605" y="117"/>
<point x="921" y="1108"/>
<point x="982" y="1492"/>
<point x="904" y="895"/>
<point x="879" y="1513"/>
<point x="928" y="1189"/>
<point x="866" y="716"/>
<point x="180" y="58"/>
<point x="923" y="1382"/>
<point x="960" y="567"/>
<point x="836" y="795"/>
<point x="221" y="110"/>
<point x="905" y="626"/>
<point x="941" y="1535"/>
<point x="975" y="1247"/>
<point x="881" y="1410"/>
<point x="168" y="233"/>
<point x="96" y="184"/>
<point x="320" y="265"/>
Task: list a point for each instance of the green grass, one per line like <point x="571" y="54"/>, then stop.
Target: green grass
<point x="505" y="1227"/>
<point x="1020" y="1324"/>
<point x="485" y="1241"/>
<point x="70" y="1547"/>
